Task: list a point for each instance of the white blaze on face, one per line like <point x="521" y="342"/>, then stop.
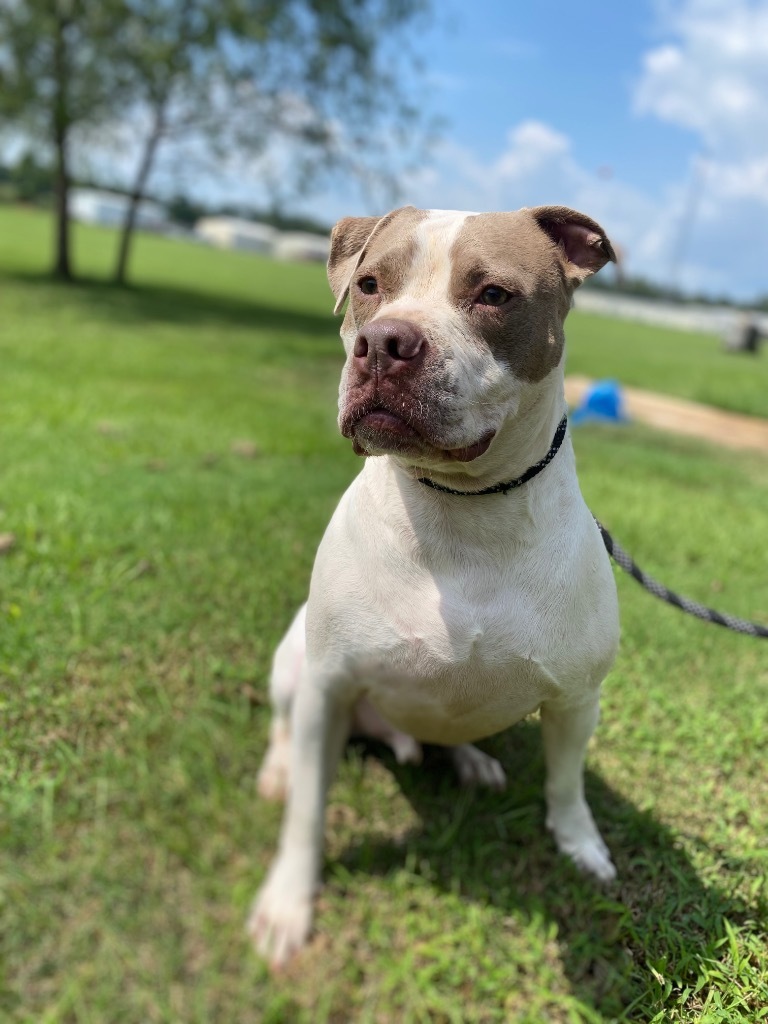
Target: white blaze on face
<point x="484" y="390"/>
<point x="427" y="285"/>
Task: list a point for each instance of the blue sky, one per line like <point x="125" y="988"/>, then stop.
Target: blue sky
<point x="651" y="116"/>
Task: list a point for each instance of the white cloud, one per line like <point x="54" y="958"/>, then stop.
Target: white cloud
<point x="531" y="146"/>
<point x="458" y="179"/>
<point x="712" y="76"/>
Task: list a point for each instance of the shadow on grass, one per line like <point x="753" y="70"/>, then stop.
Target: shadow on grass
<point x="495" y="850"/>
<point x="178" y="305"/>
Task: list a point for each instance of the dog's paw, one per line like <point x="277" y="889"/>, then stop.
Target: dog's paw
<point x="577" y="836"/>
<point x="594" y="859"/>
<point x="475" y="768"/>
<point x="406" y="749"/>
<point x="281" y="918"/>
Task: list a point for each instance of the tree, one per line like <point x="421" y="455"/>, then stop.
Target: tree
<point x="238" y="73"/>
<point x="59" y="72"/>
<point x="231" y="75"/>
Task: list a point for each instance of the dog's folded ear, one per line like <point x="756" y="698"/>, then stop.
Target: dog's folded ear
<point x="348" y="240"/>
<point x="584" y="245"/>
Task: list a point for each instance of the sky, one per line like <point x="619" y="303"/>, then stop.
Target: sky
<point x="650" y="116"/>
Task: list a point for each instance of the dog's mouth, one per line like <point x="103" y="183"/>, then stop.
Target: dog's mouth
<point x="471" y="451"/>
<point x="380" y="430"/>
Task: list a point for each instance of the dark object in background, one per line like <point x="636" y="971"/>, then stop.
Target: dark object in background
<point x="744" y="336"/>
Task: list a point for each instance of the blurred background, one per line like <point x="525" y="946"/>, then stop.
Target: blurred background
<point x="169" y="460"/>
<point x="652" y="117"/>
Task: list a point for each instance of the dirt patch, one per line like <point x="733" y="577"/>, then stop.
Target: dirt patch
<point x="729" y="429"/>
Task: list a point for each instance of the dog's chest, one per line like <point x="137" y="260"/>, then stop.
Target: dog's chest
<point x="457" y="628"/>
<point x="453" y="622"/>
<point x="458" y="659"/>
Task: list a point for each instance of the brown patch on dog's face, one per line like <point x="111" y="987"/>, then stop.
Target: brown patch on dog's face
<point x="383" y="246"/>
<point x="521" y="254"/>
<point x="387" y="260"/>
<point x="348" y="237"/>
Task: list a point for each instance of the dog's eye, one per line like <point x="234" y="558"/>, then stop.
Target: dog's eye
<point x="368" y="285"/>
<point x="493" y="295"/>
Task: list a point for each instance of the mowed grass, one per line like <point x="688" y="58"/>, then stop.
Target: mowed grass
<point x="169" y="462"/>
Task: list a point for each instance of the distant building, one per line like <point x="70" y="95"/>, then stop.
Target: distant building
<point x="95" y="206"/>
<point x="235" y="233"/>
<point x="301" y="245"/>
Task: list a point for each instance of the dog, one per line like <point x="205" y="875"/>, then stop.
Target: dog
<point x="462" y="583"/>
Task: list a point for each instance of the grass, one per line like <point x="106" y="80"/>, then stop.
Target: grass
<point x="170" y="459"/>
<point x="686" y="364"/>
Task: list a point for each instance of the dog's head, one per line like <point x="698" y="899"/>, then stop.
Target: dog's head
<point x="451" y="317"/>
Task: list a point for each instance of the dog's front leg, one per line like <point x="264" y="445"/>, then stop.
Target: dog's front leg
<point x="281" y="918"/>
<point x="566" y="731"/>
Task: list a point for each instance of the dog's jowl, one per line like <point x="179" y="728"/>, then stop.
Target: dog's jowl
<point x="462" y="582"/>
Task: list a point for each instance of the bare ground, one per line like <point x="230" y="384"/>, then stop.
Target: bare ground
<point x="730" y="429"/>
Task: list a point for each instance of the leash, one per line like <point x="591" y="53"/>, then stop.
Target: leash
<point x="685" y="604"/>
<point x="615" y="550"/>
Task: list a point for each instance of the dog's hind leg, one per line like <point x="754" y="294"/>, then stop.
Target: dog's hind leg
<point x="566" y="732"/>
<point x="366" y="721"/>
<point x="273" y="779"/>
<point x="474" y="768"/>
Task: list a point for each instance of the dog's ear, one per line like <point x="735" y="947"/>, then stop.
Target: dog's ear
<point x="348" y="240"/>
<point x="584" y="245"/>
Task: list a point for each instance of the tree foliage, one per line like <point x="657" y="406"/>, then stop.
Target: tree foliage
<point x="240" y="73"/>
<point x="232" y="76"/>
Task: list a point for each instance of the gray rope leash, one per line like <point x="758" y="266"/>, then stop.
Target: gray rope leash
<point x="700" y="611"/>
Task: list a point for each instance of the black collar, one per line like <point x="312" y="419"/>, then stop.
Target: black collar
<point x="510" y="485"/>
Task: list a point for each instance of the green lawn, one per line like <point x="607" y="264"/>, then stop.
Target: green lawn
<point x="158" y="558"/>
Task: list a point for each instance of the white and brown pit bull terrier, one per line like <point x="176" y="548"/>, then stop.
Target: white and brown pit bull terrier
<point x="462" y="583"/>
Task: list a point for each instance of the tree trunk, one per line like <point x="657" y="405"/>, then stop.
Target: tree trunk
<point x="137" y="193"/>
<point x="61" y="267"/>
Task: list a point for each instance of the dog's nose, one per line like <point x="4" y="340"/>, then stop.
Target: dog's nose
<point x="389" y="346"/>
